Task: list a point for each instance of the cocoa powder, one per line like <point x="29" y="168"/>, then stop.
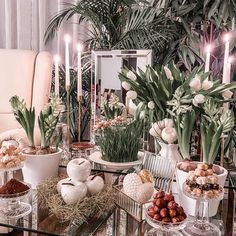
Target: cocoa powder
<point x="13" y="186"/>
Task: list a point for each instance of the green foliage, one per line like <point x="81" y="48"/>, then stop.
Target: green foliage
<point x="25" y="116"/>
<point x="121" y="143"/>
<point x="47" y="122"/>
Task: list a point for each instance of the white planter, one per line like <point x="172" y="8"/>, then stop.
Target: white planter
<point x="38" y="168"/>
<point x="189" y="204"/>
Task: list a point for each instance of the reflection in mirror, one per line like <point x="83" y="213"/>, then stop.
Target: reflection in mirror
<point x="106" y="66"/>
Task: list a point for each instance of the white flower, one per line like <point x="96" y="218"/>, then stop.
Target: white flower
<point x="227" y="94"/>
<point x="168" y="122"/>
<point x="195" y="83"/>
<point x="131" y="75"/>
<point x="131" y="95"/>
<point x="156" y="130"/>
<point x="207" y="84"/>
<point x="168" y="134"/>
<point x="151" y="105"/>
<point x="168" y="73"/>
<point x="126" y="85"/>
<point x="199" y="98"/>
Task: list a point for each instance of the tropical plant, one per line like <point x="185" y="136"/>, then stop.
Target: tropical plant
<point x="47" y="121"/>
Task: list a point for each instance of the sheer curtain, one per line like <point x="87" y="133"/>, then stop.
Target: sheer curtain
<point x="23" y="24"/>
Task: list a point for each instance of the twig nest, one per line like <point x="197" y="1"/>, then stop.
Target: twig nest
<point x="95" y="184"/>
<point x="79" y="169"/>
<point x="131" y="183"/>
<point x="146" y="176"/>
<point x="72" y="193"/>
<point x="144" y="192"/>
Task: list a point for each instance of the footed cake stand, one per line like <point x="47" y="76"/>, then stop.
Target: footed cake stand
<point x="201" y="226"/>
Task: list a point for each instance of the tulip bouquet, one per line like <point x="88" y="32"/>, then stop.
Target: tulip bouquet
<point x="164" y="131"/>
<point x="151" y="89"/>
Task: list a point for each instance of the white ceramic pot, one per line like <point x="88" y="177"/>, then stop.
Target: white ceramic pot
<point x="189" y="204"/>
<point x="38" y="168"/>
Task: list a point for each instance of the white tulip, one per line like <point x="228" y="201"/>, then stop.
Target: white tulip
<point x="157" y="128"/>
<point x="198" y="99"/>
<point x="131" y="95"/>
<point x="207" y="84"/>
<point x="195" y="83"/>
<point x="227" y="94"/>
<point x="126" y="85"/>
<point x="151" y="105"/>
<point x="168" y="122"/>
<point x="168" y="134"/>
<point x="131" y="75"/>
<point x="168" y="73"/>
<point x="153" y="132"/>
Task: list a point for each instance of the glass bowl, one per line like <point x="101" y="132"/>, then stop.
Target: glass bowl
<point x="164" y="228"/>
<point x="13" y="206"/>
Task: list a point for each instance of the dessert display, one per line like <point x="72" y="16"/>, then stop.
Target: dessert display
<point x="203" y="182"/>
<point x="13" y="186"/>
<point x="80" y="182"/>
<point x="139" y="186"/>
<point x="10" y="157"/>
<point x="164" y="209"/>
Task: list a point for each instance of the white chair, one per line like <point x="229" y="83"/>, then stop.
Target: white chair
<point x="26" y="74"/>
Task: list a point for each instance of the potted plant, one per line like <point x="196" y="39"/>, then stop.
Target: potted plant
<point x="41" y="162"/>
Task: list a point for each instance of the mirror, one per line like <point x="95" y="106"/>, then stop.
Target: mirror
<point x="106" y="66"/>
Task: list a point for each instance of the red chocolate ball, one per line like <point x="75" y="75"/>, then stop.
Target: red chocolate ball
<point x="164" y="212"/>
<point x="172" y="213"/>
<point x="168" y="197"/>
<point x="157" y="209"/>
<point x="161" y="203"/>
<point x="166" y="219"/>
<point x="180" y="210"/>
<point x="172" y="205"/>
<point x="151" y="212"/>
<point x="159" y="194"/>
<point x="175" y="219"/>
<point x="157" y="217"/>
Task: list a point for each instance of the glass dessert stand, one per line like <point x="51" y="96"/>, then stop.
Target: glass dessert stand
<point x="201" y="225"/>
<point x="164" y="229"/>
<point x="14" y="206"/>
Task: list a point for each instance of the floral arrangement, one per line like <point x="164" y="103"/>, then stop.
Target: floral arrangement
<point x="188" y="101"/>
<point x="120" y="142"/>
<point x="151" y="89"/>
<point x="47" y="121"/>
<point x="164" y="131"/>
<point x="111" y="108"/>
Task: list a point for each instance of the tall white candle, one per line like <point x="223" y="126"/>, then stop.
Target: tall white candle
<point x="208" y="57"/>
<point x="79" y="74"/>
<point x="56" y="63"/>
<point x="229" y="63"/>
<point x="67" y="59"/>
<point x="226" y="56"/>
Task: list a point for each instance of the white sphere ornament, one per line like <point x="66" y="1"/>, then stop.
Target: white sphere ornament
<point x="131" y="183"/>
<point x="144" y="192"/>
<point x="169" y="135"/>
<point x="72" y="193"/>
<point x="95" y="184"/>
<point x="79" y="169"/>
